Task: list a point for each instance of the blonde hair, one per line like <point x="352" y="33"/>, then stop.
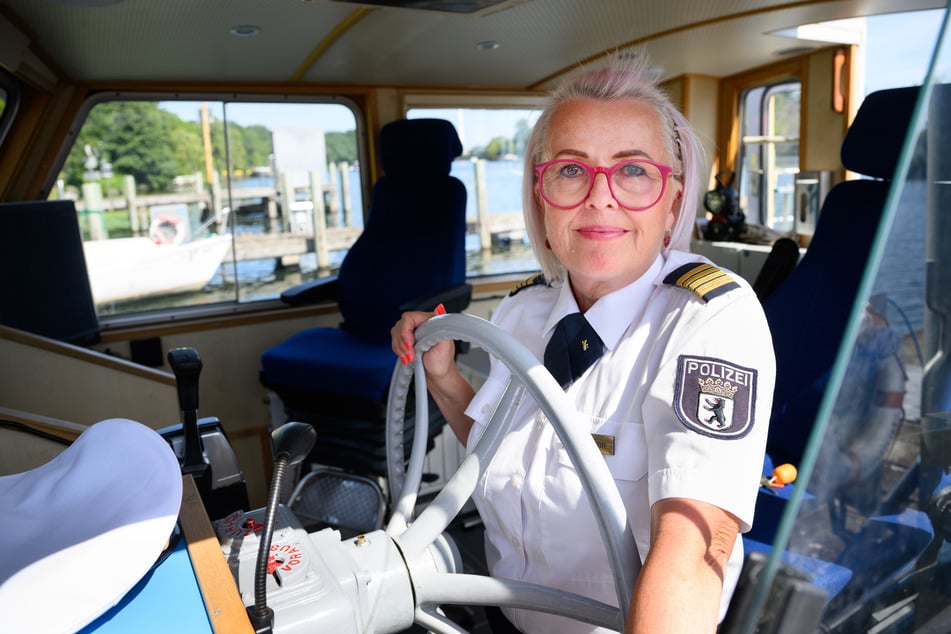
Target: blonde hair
<point x="627" y="77"/>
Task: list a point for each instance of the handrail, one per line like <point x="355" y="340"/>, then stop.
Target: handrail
<point x="61" y="429"/>
<point x="85" y="354"/>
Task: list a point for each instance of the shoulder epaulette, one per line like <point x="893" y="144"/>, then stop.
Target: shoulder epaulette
<point x="535" y="280"/>
<point x="705" y="280"/>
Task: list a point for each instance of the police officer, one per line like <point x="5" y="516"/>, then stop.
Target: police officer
<point x="666" y="358"/>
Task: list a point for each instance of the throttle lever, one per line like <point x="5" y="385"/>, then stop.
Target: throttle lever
<point x="187" y="365"/>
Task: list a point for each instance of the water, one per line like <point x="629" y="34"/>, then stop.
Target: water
<point x="901" y="273"/>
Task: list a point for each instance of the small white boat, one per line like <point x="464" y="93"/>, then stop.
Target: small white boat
<point x="123" y="269"/>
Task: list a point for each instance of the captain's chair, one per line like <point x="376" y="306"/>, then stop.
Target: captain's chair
<point x="809" y="311"/>
<point x="411" y="255"/>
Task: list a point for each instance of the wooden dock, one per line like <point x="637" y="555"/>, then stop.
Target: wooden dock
<point x="263" y="246"/>
<point x="296" y="239"/>
<point x="288" y="247"/>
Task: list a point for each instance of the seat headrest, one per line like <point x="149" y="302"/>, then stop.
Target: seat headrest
<point x="418" y="147"/>
<point x="874" y="141"/>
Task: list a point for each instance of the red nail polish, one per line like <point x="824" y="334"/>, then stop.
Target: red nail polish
<point x="407" y="346"/>
<point x="440" y="310"/>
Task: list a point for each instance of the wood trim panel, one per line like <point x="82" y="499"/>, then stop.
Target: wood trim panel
<point x="222" y="601"/>
<point x="64" y="429"/>
<point x="85" y="354"/>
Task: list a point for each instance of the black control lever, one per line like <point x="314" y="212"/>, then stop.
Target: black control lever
<point x="291" y="442"/>
<point x="186" y="365"/>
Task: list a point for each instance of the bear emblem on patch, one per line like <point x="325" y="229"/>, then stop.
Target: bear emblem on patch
<point x="714" y="397"/>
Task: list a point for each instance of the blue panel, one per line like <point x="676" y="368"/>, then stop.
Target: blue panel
<point x="167" y="599"/>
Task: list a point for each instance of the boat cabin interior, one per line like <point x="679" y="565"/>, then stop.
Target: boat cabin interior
<point x="212" y="213"/>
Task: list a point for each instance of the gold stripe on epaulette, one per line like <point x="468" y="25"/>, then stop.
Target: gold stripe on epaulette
<point x="535" y="280"/>
<point x="704" y="280"/>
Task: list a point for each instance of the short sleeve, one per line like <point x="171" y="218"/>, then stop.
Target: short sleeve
<point x="707" y="410"/>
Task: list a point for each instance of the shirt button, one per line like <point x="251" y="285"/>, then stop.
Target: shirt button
<point x="485" y="409"/>
<point x="516" y="480"/>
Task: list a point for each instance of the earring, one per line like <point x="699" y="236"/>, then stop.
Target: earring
<point x="547" y="244"/>
<point x="667" y="239"/>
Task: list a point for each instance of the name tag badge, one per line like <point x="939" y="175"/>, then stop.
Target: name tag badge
<point x="604" y="443"/>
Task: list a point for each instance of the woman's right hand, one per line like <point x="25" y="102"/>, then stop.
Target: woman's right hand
<point x="447" y="386"/>
<point x="438" y="360"/>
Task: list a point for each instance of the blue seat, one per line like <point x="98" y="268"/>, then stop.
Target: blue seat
<point x="411" y="255"/>
<point x="808" y="313"/>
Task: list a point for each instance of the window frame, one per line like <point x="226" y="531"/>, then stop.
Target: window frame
<point x="13" y="91"/>
<point x="532" y="100"/>
<point x="354" y="103"/>
<point x="764" y="144"/>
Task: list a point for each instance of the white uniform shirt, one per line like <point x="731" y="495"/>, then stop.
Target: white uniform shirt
<point x="660" y="340"/>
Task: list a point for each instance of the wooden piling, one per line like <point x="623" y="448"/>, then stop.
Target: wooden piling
<point x="94" y="211"/>
<point x="319" y="219"/>
<point x="482" y="206"/>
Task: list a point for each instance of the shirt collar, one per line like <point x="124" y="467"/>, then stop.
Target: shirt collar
<point x="612" y="314"/>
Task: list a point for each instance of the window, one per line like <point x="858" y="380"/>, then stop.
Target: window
<point x="9" y="97"/>
<point x="184" y="203"/>
<point x="491" y="168"/>
<point x="769" y="154"/>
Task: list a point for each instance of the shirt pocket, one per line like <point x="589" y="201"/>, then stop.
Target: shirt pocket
<point x="622" y="446"/>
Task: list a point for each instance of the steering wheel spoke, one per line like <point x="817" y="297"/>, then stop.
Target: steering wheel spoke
<point x="465" y="589"/>
<point x="436" y="517"/>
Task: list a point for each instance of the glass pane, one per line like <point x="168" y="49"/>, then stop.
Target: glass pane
<point x="491" y="168"/>
<point x="868" y="519"/>
<point x="313" y="159"/>
<point x="769" y="154"/>
<point x="206" y="183"/>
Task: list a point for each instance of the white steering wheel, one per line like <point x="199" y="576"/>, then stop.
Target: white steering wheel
<point x="413" y="537"/>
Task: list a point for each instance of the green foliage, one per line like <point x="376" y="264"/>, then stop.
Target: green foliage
<point x="258" y="145"/>
<point x="341" y="146"/>
<point x="499" y="147"/>
<point x="135" y="137"/>
<point x="153" y="146"/>
<point x="496" y="148"/>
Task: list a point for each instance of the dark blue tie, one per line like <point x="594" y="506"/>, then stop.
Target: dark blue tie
<point x="573" y="347"/>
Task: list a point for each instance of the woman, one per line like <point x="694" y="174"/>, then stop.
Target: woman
<point x="678" y="393"/>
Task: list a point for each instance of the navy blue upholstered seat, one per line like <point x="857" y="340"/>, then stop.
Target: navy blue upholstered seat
<point x="411" y="254"/>
<point x="808" y="314"/>
<point x="809" y="311"/>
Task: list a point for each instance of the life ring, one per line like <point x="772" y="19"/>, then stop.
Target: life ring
<point x="167" y="230"/>
<point x="868" y="412"/>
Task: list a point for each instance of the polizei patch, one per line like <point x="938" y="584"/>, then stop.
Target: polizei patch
<point x="715" y="398"/>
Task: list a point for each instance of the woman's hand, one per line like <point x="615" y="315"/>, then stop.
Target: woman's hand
<point x="438" y="360"/>
<point x="448" y="388"/>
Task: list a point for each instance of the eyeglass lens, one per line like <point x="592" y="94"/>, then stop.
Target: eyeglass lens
<point x="634" y="184"/>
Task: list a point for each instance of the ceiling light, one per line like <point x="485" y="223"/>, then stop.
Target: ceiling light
<point x="245" y="30"/>
<point x="487" y="45"/>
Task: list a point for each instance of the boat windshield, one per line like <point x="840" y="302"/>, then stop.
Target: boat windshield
<point x="862" y="534"/>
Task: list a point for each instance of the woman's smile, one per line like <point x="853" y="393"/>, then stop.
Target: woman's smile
<point x="600" y="232"/>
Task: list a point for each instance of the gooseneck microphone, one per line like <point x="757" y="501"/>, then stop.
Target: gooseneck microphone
<point x="291" y="442"/>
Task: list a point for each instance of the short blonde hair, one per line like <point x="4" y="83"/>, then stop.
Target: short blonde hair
<point x="627" y="77"/>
